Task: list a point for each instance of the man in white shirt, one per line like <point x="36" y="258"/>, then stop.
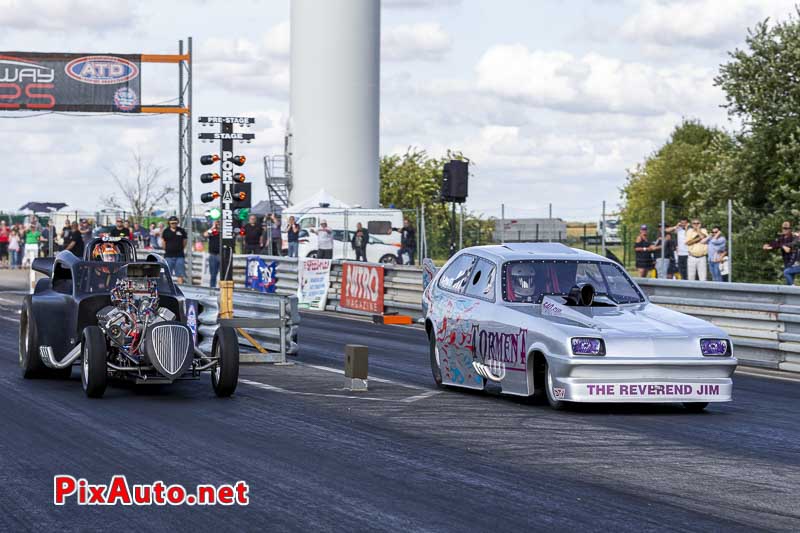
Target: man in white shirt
<point x="324" y="241"/>
<point x="681" y="247"/>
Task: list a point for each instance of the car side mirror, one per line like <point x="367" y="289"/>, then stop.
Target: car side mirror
<point x="43" y="265"/>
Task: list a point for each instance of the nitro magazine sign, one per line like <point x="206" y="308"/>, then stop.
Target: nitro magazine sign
<point x="70" y="82"/>
<point x="313" y="280"/>
<point x="362" y="287"/>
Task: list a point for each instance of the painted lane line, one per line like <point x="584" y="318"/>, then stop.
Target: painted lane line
<point x="272" y="388"/>
<point x="426" y="394"/>
<point x="16" y="320"/>
<point x="379" y="380"/>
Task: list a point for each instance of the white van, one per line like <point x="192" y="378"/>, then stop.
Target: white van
<point x="384" y="242"/>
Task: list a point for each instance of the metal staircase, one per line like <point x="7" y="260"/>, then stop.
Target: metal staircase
<point x="278" y="176"/>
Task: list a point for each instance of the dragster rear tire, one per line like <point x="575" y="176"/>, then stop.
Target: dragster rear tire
<point x="225" y="376"/>
<point x="94" y="372"/>
<point x="30" y="363"/>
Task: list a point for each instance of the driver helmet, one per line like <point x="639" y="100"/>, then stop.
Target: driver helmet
<point x="523" y="280"/>
<point x="106" y="252"/>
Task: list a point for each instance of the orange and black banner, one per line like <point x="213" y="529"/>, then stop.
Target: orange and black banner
<point x="70" y="82"/>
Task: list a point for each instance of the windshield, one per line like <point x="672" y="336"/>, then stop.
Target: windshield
<point x="93" y="277"/>
<point x="530" y="281"/>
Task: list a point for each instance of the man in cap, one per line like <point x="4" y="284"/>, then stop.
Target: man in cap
<point x="324" y="241"/>
<point x="119" y="230"/>
<point x="252" y="236"/>
<point x="173" y="240"/>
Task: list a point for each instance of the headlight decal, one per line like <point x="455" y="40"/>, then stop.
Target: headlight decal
<point x="588" y="346"/>
<point x="715" y="347"/>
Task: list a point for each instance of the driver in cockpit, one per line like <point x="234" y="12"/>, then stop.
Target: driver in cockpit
<point x="523" y="282"/>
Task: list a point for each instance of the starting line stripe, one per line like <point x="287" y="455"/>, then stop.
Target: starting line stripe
<point x="271" y="388"/>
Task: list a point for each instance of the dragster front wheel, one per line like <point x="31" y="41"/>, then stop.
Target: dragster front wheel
<point x="225" y="376"/>
<point x="94" y="372"/>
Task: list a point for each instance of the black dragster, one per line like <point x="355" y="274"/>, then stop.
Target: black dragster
<point x="118" y="317"/>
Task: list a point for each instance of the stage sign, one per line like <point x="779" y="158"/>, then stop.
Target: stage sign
<point x="70" y="82"/>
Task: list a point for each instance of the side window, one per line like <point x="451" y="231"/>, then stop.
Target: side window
<point x="455" y="277"/>
<point x="379" y="227"/>
<point x="481" y="280"/>
<point x="338" y="234"/>
<point x="308" y="223"/>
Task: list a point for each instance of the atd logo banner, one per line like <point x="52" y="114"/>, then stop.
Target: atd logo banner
<point x="70" y="82"/>
<point x="362" y="287"/>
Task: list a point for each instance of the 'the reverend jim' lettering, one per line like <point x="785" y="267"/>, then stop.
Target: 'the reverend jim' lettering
<point x="652" y="389"/>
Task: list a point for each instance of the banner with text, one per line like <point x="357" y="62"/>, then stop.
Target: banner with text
<point x="37" y="81"/>
<point x="362" y="287"/>
<point x="313" y="279"/>
<point x="261" y="275"/>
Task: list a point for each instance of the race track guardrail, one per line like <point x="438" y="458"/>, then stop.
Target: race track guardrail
<point x="764" y="320"/>
<point x="249" y="304"/>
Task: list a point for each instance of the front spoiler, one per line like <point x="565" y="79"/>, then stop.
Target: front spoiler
<point x="639" y="380"/>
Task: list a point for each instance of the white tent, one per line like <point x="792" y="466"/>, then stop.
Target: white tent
<point x="319" y="199"/>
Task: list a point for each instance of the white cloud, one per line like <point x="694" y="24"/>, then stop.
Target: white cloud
<point x="593" y="83"/>
<point x="700" y="23"/>
<point x="67" y="15"/>
<point x="242" y="64"/>
<point x="425" y="41"/>
<point x="277" y="40"/>
<point x="418" y="4"/>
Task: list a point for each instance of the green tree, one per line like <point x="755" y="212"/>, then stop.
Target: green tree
<point x="414" y="179"/>
<point x="763" y="171"/>
<point x="670" y="175"/>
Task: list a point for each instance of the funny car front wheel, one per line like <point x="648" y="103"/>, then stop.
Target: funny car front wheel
<point x="553" y="393"/>
<point x="225" y="376"/>
<point x="94" y="372"/>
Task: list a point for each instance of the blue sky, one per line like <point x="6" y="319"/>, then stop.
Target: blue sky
<point x="552" y="100"/>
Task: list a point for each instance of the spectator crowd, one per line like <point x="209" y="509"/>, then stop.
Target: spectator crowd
<point x="690" y="251"/>
<point x="22" y="242"/>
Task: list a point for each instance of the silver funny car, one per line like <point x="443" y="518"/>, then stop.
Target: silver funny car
<point x="550" y="321"/>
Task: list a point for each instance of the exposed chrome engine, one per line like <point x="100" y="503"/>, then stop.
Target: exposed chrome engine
<point x="134" y="308"/>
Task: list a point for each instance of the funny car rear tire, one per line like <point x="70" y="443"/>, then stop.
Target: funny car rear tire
<point x="695" y="407"/>
<point x="436" y="368"/>
<point x="30" y="363"/>
<point x="554" y="402"/>
<point x="94" y="372"/>
<point x="225" y="376"/>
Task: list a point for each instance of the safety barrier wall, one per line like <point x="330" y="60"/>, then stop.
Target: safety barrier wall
<point x="764" y="320"/>
<point x="287" y="272"/>
<point x="249" y="304"/>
